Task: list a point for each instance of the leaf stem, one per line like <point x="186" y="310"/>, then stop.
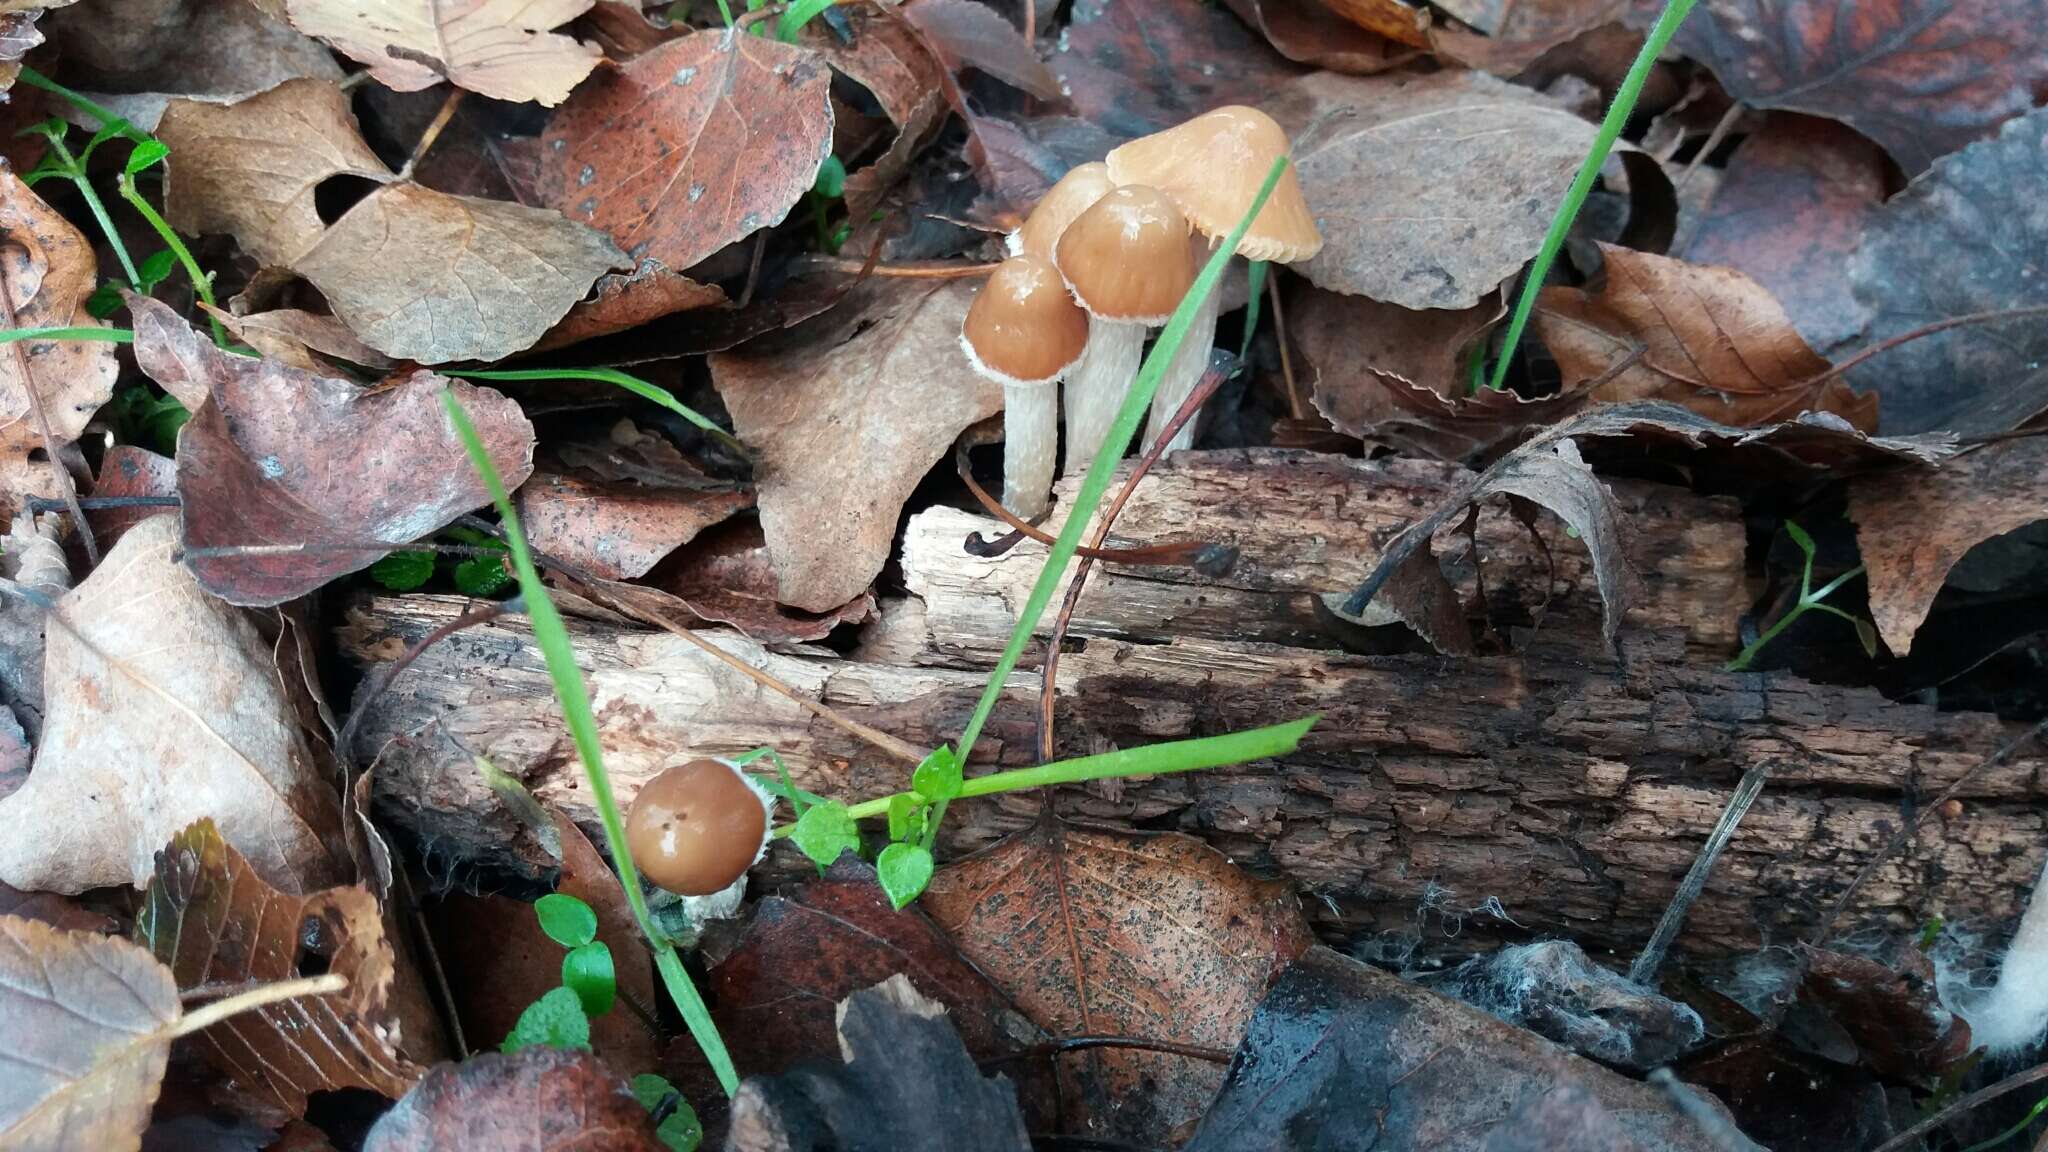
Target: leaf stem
<point x="106" y="117"/>
<point x="630" y="383"/>
<point x="1575" y="197"/>
<point x="211" y="1014"/>
<point x="201" y="282"/>
<point x="75" y="172"/>
<point x="553" y="638"/>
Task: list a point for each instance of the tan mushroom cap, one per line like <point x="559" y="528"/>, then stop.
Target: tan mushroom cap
<point x="1023" y="328"/>
<point x="1127" y="257"/>
<point x="1213" y="166"/>
<point x="1078" y="190"/>
<point x="696" y="827"/>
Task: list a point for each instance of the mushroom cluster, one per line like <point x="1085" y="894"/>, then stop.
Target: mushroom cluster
<point x="1104" y="258"/>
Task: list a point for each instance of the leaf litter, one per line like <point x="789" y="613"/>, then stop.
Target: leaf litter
<point x="775" y="228"/>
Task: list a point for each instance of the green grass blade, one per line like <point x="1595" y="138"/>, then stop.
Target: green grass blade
<point x="109" y="335"/>
<point x="553" y="639"/>
<point x="797" y="15"/>
<point x="1575" y="197"/>
<point x="630" y="383"/>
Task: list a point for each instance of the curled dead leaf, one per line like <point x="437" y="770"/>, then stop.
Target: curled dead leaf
<point x="619" y="531"/>
<point x="1505" y="38"/>
<point x="497" y="48"/>
<point x="969" y="34"/>
<point x="1308" y="32"/>
<point x="535" y="1100"/>
<point x="889" y="57"/>
<point x="728" y="577"/>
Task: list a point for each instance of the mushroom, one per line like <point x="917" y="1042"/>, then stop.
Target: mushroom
<point x="1024" y="332"/>
<point x="1213" y="167"/>
<point x="696" y="828"/>
<point x="1128" y="262"/>
<point x="1075" y="193"/>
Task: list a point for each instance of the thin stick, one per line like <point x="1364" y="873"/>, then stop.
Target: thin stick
<point x="92" y="503"/>
<point x="1925" y="330"/>
<point x="2012" y="1083"/>
<point x="907" y="270"/>
<point x="433" y="132"/>
<point x="1714" y="138"/>
<point x="66" y="490"/>
<point x="1294" y="405"/>
<point x="1087" y="1042"/>
<point x="1186" y="552"/>
<point x="753" y="272"/>
<point x="1644" y="970"/>
<point x="319" y="547"/>
<point x="219" y="1010"/>
<point x="1048" y="685"/>
<point x="2002" y="755"/>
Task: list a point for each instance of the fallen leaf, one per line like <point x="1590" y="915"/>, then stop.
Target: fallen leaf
<point x="1016" y="161"/>
<point x="1898" y="1022"/>
<point x="1920" y="77"/>
<point x="18" y="37"/>
<point x="618" y="531"/>
<point x="1396" y="20"/>
<point x="277" y="456"/>
<point x="46" y="272"/>
<point x="1106" y="933"/>
<point x="896" y="64"/>
<point x="968" y="34"/>
<point x="1133" y="67"/>
<point x="535" y="1100"/>
<point x="1511" y="34"/>
<point x="214" y="922"/>
<point x="1710" y="339"/>
<point x="1963" y="238"/>
<point x="227" y="49"/>
<point x="907" y="1085"/>
<point x="164" y="708"/>
<point x="1912" y="527"/>
<point x="32" y="556"/>
<point x="303" y="339"/>
<point x="1340" y="1050"/>
<point x="728" y="577"/>
<point x="127" y="471"/>
<point x="422" y="275"/>
<point x="691" y="146"/>
<point x="847" y="416"/>
<point x="497" y="48"/>
<point x="250" y="169"/>
<point x="88" y="1021"/>
<point x="624" y="300"/>
<point x="1307" y="32"/>
<point x="1432" y="190"/>
<point x="54" y="910"/>
<point x="1793" y="199"/>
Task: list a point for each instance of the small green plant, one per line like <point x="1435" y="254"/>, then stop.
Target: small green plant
<point x="675" y="1122"/>
<point x="1810" y="599"/>
<point x="795" y="15"/>
<point x="1582" y="184"/>
<point x="409" y="569"/>
<point x="148" y="417"/>
<point x="829" y="187"/>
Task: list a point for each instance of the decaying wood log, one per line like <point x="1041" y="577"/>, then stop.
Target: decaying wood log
<point x="1570" y="785"/>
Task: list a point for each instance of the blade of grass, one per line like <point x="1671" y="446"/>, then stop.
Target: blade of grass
<point x="553" y="639"/>
<point x="1136" y="402"/>
<point x="109" y="335"/>
<point x="630" y="383"/>
<point x="797" y="15"/>
<point x="1575" y="196"/>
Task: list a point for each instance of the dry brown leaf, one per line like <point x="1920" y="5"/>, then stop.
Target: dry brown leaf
<point x="276" y="456"/>
<point x="130" y="471"/>
<point x="46" y="273"/>
<point x="1130" y="67"/>
<point x="1308" y="32"/>
<point x="301" y="339"/>
<point x="88" y="1021"/>
<point x="1097" y="932"/>
<point x="1511" y="34"/>
<point x="250" y="169"/>
<point x="969" y="34"/>
<point x="848" y="415"/>
<point x="692" y="146"/>
<point x="1431" y="190"/>
<point x="422" y="275"/>
<point x="535" y="1100"/>
<point x="32" y="556"/>
<point x="54" y="910"/>
<point x="897" y="65"/>
<point x="1710" y="339"/>
<point x="618" y="531"/>
<point x="728" y="577"/>
<point x="214" y="922"/>
<point x="1393" y="19"/>
<point x="623" y="300"/>
<point x="498" y="48"/>
<point x="1912" y="527"/>
<point x="226" y="49"/>
<point x="164" y="708"/>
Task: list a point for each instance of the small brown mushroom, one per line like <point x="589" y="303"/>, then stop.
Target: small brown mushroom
<point x="1023" y="331"/>
<point x="1075" y="193"/>
<point x="696" y="828"/>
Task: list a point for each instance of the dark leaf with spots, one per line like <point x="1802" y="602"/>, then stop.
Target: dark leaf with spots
<point x="1136" y="66"/>
<point x="691" y="146"/>
<point x="130" y="471"/>
<point x="728" y="577"/>
<point x="538" y="1100"/>
<point x="320" y="477"/>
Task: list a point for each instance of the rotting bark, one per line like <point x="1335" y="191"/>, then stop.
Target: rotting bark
<point x="1573" y="789"/>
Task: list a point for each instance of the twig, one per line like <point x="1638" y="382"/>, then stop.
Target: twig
<point x="1294" y="405"/>
<point x="2007" y="752"/>
<point x="1714" y="138"/>
<point x="1190" y="552"/>
<point x="219" y="1010"/>
<point x="1644" y="970"/>
<point x="1091" y="1041"/>
<point x="753" y="272"/>
<point x="2012" y="1083"/>
<point x="1890" y="343"/>
<point x="45" y="504"/>
<point x="1709" y="1120"/>
<point x="1048" y="684"/>
<point x="433" y="132"/>
<point x="67" y="490"/>
<point x="907" y="270"/>
<point x="319" y="547"/>
<point x="425" y="939"/>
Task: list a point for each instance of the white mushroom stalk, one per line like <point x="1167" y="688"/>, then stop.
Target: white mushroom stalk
<point x="1184" y="373"/>
<point x="1096" y="387"/>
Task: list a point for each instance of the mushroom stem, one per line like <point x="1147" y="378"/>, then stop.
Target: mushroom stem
<point x="1031" y="436"/>
<point x="1184" y="373"/>
<point x="2013" y="1016"/>
<point x="1096" y="386"/>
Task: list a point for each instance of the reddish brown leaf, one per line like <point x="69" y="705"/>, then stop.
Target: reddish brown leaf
<point x="728" y="577"/>
<point x="1965" y="238"/>
<point x="535" y="1100"/>
<point x="967" y="34"/>
<point x="303" y="340"/>
<point x="1894" y="1014"/>
<point x="1095" y="932"/>
<point x="623" y="300"/>
<point x="130" y="471"/>
<point x="1136" y="66"/>
<point x="1510" y="36"/>
<point x="692" y="146"/>
<point x="1307" y="32"/>
<point x="1710" y="339"/>
<point x="619" y="531"/>
<point x="1396" y="20"/>
<point x="88" y="1021"/>
<point x="1431" y="190"/>
<point x="1921" y="77"/>
<point x="54" y="910"/>
<point x="215" y="923"/>
<point x="1794" y="200"/>
<point x="1016" y="161"/>
<point x="847" y="415"/>
<point x="281" y="456"/>
<point x="896" y="64"/>
<point x="1913" y="526"/>
<point x="500" y="48"/>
